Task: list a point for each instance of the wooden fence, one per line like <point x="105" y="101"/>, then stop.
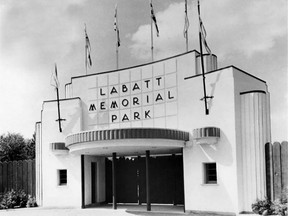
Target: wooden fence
<point x="18" y="175"/>
<point x="276" y="156"/>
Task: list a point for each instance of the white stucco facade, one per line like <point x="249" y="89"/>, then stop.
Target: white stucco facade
<point x="161" y="95"/>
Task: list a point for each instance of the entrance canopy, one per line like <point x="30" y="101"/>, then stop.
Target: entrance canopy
<point x="128" y="141"/>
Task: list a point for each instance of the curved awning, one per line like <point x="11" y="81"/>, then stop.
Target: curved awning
<point x="206" y="135"/>
<point x="206" y="132"/>
<point x="127" y="141"/>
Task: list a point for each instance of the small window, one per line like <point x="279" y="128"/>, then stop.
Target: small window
<point x="210" y="173"/>
<point x="62" y="176"/>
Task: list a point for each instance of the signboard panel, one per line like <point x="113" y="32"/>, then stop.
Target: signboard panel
<point x="132" y="95"/>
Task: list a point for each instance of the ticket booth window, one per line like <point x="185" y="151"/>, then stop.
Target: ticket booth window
<point x="62" y="177"/>
<point x="210" y="173"/>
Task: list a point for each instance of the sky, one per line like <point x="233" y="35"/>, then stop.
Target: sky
<point x="36" y="34"/>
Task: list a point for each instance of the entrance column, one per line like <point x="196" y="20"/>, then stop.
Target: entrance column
<point x="183" y="180"/>
<point x="173" y="159"/>
<point x="83" y="181"/>
<point x="114" y="180"/>
<point x="138" y="179"/>
<point x="147" y="181"/>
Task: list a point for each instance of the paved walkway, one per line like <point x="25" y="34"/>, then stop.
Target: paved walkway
<point x="86" y="212"/>
<point x="102" y="211"/>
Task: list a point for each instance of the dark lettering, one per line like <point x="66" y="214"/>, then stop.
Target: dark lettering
<point x="169" y="96"/>
<point x="136" y="87"/>
<point x="159" y="97"/>
<point x="147" y="83"/>
<point x="136" y="100"/>
<point x="114" y="117"/>
<point x="92" y="107"/>
<point x="102" y="105"/>
<point x="113" y="105"/>
<point x="125" y="118"/>
<point x="125" y="102"/>
<point x="113" y="90"/>
<point x="124" y="88"/>
<point x="136" y="115"/>
<point x="147" y="98"/>
<point x="147" y="114"/>
<point x="158" y="79"/>
<point x="101" y="93"/>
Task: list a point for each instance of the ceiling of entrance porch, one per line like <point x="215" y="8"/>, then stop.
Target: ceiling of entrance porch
<point x="128" y="147"/>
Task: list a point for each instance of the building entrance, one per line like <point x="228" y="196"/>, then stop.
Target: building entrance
<point x="166" y="180"/>
<point x="93" y="181"/>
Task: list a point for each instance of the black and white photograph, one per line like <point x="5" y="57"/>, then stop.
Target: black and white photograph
<point x="143" y="107"/>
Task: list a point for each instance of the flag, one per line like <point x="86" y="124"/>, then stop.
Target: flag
<point x="203" y="32"/>
<point x="87" y="50"/>
<point x="186" y="24"/>
<point x="116" y="26"/>
<point x="54" y="79"/>
<point x="55" y="82"/>
<point x="154" y="18"/>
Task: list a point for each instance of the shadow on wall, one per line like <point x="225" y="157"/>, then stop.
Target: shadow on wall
<point x="74" y="121"/>
<point x="212" y="92"/>
<point x="220" y="152"/>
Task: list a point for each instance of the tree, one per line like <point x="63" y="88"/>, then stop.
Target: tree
<point x="14" y="147"/>
<point x="30" y="147"/>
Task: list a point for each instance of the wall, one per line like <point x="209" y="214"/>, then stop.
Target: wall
<point x="151" y="91"/>
<point x="100" y="189"/>
<point x="252" y="132"/>
<point x="209" y="61"/>
<point x="69" y="195"/>
<point x="38" y="162"/>
<point x="222" y="197"/>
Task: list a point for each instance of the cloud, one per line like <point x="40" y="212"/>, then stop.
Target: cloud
<point x="246" y="27"/>
<point x="170" y="32"/>
<point x="39" y="31"/>
<point x="34" y="34"/>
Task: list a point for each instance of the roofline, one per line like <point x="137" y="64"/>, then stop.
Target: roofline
<point x="127" y="68"/>
<point x="253" y="91"/>
<point x="230" y="66"/>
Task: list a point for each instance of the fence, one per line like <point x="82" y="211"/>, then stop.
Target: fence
<point x="18" y="175"/>
<point x="276" y="156"/>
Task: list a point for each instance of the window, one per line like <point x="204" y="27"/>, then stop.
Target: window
<point x="210" y="173"/>
<point x="62" y="176"/>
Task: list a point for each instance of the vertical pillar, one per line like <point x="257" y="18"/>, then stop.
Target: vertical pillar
<point x="147" y="181"/>
<point x="255" y="132"/>
<point x="83" y="181"/>
<point x="173" y="164"/>
<point x="138" y="179"/>
<point x="184" y="209"/>
<point x="114" y="180"/>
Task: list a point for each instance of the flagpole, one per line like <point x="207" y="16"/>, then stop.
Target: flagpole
<point x="151" y="31"/>
<point x="117" y="37"/>
<point x="187" y="42"/>
<point x="58" y="103"/>
<point x="117" y="54"/>
<point x="202" y="64"/>
<point x="186" y="17"/>
<point x="85" y="48"/>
